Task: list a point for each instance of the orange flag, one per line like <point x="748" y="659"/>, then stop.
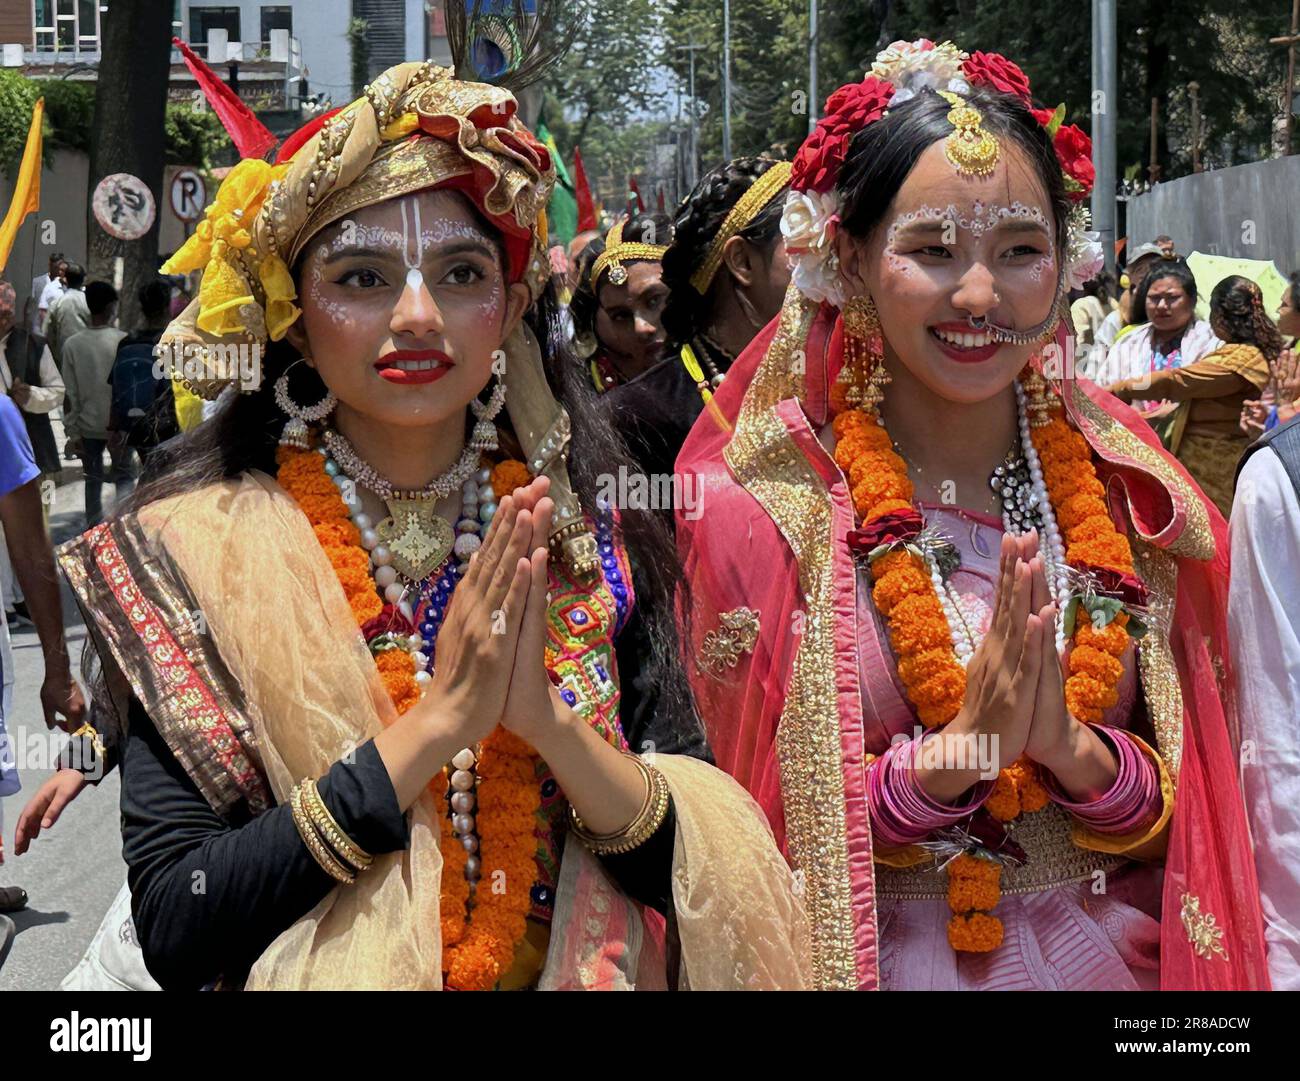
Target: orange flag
<point x="27" y="189"/>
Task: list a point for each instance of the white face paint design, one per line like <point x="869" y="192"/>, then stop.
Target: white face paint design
<point x="983" y="218"/>
<point x="334" y="311"/>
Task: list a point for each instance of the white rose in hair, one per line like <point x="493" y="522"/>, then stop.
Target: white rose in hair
<point x="806" y="225"/>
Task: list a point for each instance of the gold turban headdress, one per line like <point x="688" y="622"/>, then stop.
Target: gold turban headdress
<point x="416" y="127"/>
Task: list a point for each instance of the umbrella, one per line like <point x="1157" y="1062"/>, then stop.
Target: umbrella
<point x="1209" y="270"/>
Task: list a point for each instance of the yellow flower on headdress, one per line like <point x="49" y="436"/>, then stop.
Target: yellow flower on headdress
<point x="229" y="216"/>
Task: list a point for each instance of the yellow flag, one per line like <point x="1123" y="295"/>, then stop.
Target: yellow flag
<point x="27" y="190"/>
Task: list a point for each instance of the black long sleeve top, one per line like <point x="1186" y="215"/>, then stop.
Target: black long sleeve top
<point x="210" y="893"/>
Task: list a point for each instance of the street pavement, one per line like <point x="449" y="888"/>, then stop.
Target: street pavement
<point x="72" y="872"/>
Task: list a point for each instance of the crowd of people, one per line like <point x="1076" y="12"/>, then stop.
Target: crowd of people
<point x="945" y="681"/>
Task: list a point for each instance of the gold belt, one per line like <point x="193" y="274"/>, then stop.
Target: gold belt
<point x="1052" y="859"/>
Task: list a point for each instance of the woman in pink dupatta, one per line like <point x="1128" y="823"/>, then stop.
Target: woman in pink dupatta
<point x="1146" y="881"/>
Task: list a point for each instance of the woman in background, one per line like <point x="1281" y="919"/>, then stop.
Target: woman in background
<point x="1210" y="392"/>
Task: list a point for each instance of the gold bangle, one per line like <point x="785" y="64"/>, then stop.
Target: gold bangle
<point x="330" y="831"/>
<point x="640" y="829"/>
<point x="745" y="210"/>
<point x="315" y="846"/>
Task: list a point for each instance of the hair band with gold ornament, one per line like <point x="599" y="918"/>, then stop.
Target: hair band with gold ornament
<point x="747" y="208"/>
<point x="617" y="252"/>
<point x="970" y="149"/>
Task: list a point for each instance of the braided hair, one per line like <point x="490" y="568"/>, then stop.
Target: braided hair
<point x="699" y="218"/>
<point x="1237" y="315"/>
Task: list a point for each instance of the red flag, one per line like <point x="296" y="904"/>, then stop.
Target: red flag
<point x="634" y="189"/>
<point x="582" y="191"/>
<point x="250" y="136"/>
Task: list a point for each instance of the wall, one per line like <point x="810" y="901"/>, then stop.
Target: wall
<point x="1247" y="212"/>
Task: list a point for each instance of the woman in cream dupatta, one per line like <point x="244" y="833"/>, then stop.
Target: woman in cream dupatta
<point x="228" y="625"/>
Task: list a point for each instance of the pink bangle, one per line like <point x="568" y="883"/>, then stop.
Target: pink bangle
<point x="1134" y="797"/>
<point x="901" y="811"/>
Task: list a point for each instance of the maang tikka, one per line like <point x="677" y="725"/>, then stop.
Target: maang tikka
<point x="864" y="373"/>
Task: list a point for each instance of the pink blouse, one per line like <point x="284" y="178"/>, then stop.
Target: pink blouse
<point x="901" y="812"/>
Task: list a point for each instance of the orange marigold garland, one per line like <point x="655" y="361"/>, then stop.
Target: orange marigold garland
<point x="478" y="946"/>
<point x="934" y="678"/>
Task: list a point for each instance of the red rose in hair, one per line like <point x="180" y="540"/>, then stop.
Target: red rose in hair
<point x="851" y="108"/>
<point x="1074" y="149"/>
<point x="819" y="159"/>
<point x="997" y="72"/>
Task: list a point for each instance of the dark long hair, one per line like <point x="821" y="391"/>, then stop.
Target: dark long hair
<point x="1237" y="315"/>
<point x="244" y="432"/>
<point x="882" y="154"/>
<point x="697" y="222"/>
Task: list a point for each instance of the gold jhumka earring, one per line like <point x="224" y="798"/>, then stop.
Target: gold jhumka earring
<point x="864" y="373"/>
<point x="1038" y="400"/>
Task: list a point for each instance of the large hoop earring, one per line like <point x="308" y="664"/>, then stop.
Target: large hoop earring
<point x="864" y="375"/>
<point x="295" y="429"/>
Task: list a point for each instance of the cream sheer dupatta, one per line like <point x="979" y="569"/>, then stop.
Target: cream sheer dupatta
<point x="278" y="616"/>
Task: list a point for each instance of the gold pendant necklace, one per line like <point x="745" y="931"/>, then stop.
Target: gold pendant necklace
<point x="417" y="535"/>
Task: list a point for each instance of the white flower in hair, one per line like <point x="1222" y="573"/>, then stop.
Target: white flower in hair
<point x="808" y="225"/>
<point x="1084" y="255"/>
<point x="913" y="66"/>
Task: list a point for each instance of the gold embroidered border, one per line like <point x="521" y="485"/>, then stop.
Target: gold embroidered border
<point x="1196" y="541"/>
<point x="767" y="462"/>
<point x="150" y="627"/>
<point x="1164" y="696"/>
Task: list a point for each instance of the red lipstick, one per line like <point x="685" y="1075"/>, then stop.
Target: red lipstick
<point x="408" y="367"/>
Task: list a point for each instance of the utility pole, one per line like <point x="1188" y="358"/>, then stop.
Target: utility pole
<point x="1290" y="42"/>
<point x="693" y="164"/>
<point x="726" y="80"/>
<point x="812" y="65"/>
<point x="1105" y="99"/>
<point x="1194" y="92"/>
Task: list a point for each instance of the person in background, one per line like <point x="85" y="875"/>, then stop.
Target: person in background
<point x="726" y="273"/>
<point x="576" y="247"/>
<point x="69" y="314"/>
<point x="30" y="377"/>
<point x="1264" y="629"/>
<point x="1281" y="401"/>
<point x="1166" y="245"/>
<point x="29" y="550"/>
<point x="1140" y="263"/>
<point x="618" y="304"/>
<point x="55" y="286"/>
<point x="1205" y="434"/>
<point x="35" y="314"/>
<point x="143" y="410"/>
<point x="1088" y="313"/>
<point x="1171" y="337"/>
<point x="87" y="363"/>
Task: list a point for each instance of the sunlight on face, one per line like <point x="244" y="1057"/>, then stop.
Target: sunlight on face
<point x="404" y="307"/>
<point x="952" y="247"/>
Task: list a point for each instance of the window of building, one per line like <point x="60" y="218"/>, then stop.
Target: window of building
<point x="66" y="25"/>
<point x="213" y="18"/>
<point x="276" y="18"/>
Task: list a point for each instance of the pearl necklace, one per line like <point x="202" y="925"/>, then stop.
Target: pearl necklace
<point x="432" y="596"/>
<point x="1035" y="511"/>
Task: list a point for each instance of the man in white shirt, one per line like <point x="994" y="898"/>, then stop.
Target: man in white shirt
<point x="30" y="377"/>
<point x="1264" y="629"/>
<point x="69" y="314"/>
<point x="87" y="368"/>
<point x="36" y="313"/>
